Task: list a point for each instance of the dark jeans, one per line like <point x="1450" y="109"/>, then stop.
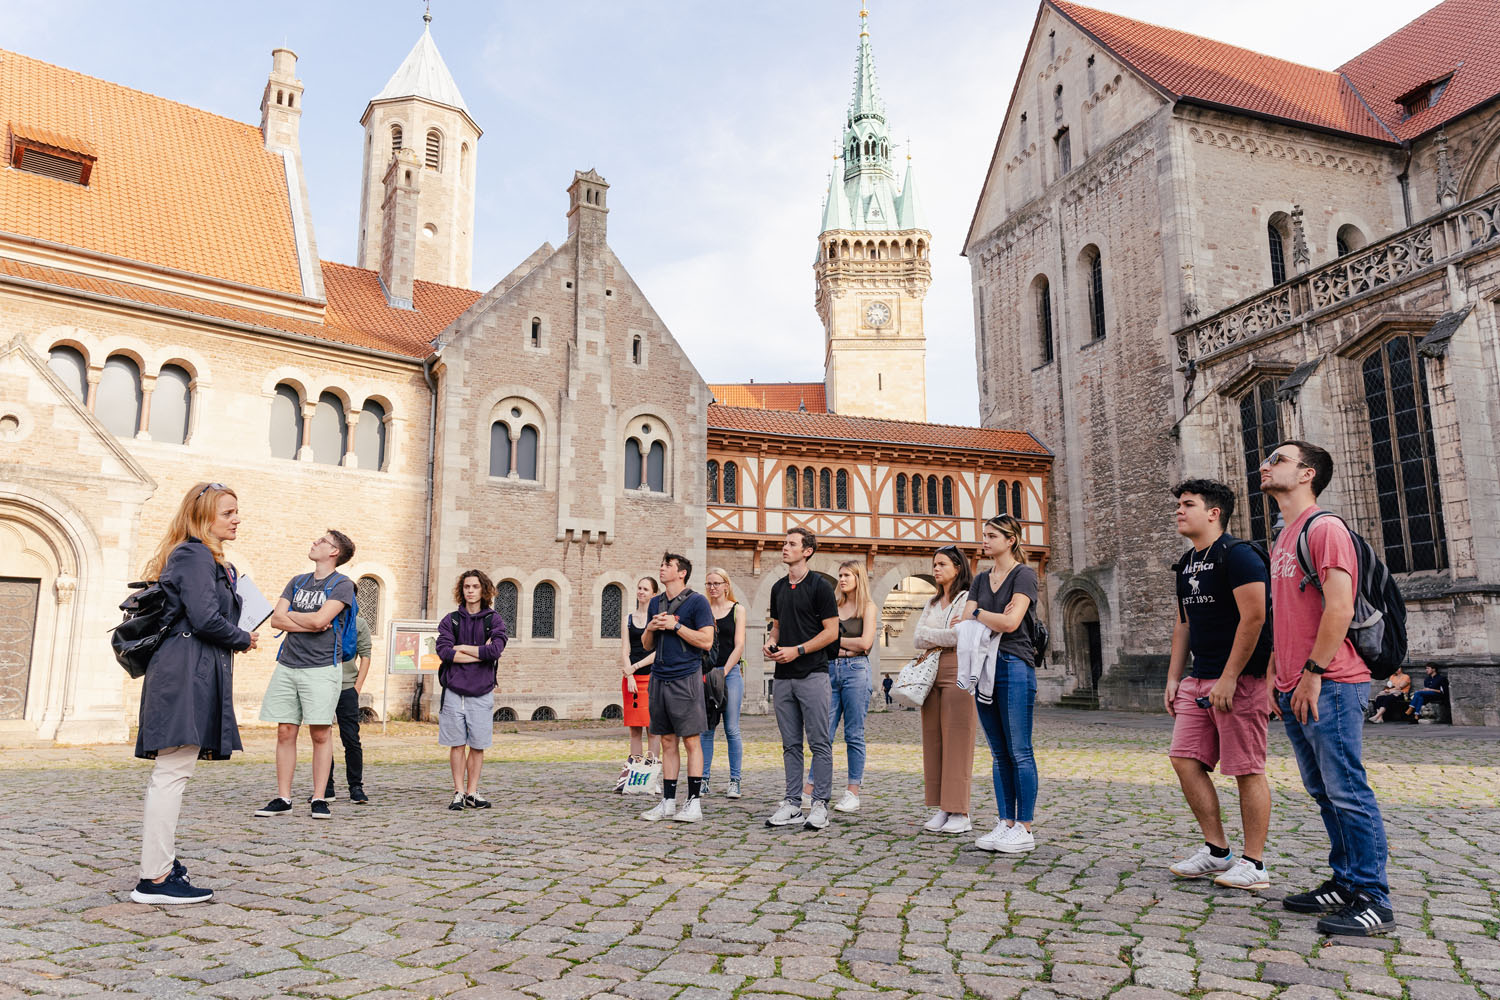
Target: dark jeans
<point x="1007" y="729"/>
<point x="1330" y="756"/>
<point x="347" y="714"/>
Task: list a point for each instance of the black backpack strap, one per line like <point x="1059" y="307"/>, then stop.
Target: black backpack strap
<point x="1304" y="550"/>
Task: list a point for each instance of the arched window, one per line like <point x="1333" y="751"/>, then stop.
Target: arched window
<point x="1002" y="499"/>
<point x="119" y="404"/>
<point x="1260" y="429"/>
<point x="841" y="490"/>
<point x="434" y="150"/>
<point x="67" y="364"/>
<point x="656" y="467"/>
<point x="611" y="608"/>
<point x="367" y="595"/>
<point x="900" y="493"/>
<point x="286" y="422"/>
<point x="646" y="455"/>
<point x="463" y="162"/>
<point x="731" y="483"/>
<point x="544" y="714"/>
<point x="1044" y="319"/>
<point x="932" y="494"/>
<point x="1350" y="239"/>
<point x="1278" y="253"/>
<point x="507" y="601"/>
<point x="544" y="611"/>
<point x="1016" y="510"/>
<point x="499" y="448"/>
<point x="947" y="496"/>
<point x="330" y="434"/>
<point x="369" y="436"/>
<point x="1094" y="262"/>
<point x="791" y="487"/>
<point x="635" y="350"/>
<point x="825" y="489"/>
<point x="171" y="405"/>
<point x="713" y="482"/>
<point x="916" y="494"/>
<point x="809" y="488"/>
<point x="1063" y="142"/>
<point x="526" y="449"/>
<point x="395" y="138"/>
<point x="1406" y="475"/>
<point x="536" y="331"/>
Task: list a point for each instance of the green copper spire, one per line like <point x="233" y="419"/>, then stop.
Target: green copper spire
<point x="866" y="101"/>
<point x="909" y="213"/>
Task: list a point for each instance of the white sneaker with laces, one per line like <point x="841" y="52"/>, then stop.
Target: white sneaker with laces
<point x="957" y="823"/>
<point x="789" y="813"/>
<point x="1245" y="875"/>
<point x="1202" y="863"/>
<point x="690" y="813"/>
<point x="849" y="803"/>
<point x="818" y="818"/>
<point x="936" y="822"/>
<point x="991" y="840"/>
<point x="1019" y="842"/>
<point x="665" y="809"/>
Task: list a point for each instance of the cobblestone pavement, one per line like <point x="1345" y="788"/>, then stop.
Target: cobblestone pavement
<point x="560" y="893"/>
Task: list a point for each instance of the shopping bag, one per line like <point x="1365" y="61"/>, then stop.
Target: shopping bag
<point x="644" y="777"/>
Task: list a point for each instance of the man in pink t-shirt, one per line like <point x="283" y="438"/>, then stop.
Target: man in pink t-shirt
<point x="1323" y="691"/>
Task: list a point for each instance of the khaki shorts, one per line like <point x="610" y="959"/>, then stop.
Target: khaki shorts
<point x="305" y="696"/>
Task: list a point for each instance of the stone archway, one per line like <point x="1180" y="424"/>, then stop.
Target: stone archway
<point x="40" y="566"/>
<point x="1083" y="648"/>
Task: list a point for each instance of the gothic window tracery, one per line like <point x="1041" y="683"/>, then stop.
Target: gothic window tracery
<point x="1405" y="459"/>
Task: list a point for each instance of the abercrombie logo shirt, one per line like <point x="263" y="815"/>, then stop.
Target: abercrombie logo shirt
<point x="1205" y="599"/>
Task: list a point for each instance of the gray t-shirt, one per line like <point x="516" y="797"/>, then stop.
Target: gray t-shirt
<point x="301" y="650"/>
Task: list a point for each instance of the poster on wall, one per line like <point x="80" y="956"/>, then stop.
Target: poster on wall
<point x="411" y="651"/>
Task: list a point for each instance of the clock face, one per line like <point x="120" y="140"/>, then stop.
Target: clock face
<point x="877" y="314"/>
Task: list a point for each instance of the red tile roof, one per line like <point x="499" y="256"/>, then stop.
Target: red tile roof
<point x="781" y="423"/>
<point x="772" y="395"/>
<point x="173" y="187"/>
<point x="1461" y="37"/>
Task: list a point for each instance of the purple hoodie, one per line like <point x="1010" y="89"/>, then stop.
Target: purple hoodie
<point x="485" y="630"/>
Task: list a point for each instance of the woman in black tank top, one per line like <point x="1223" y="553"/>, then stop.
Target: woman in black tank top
<point x="729" y="632"/>
<point x="635" y="671"/>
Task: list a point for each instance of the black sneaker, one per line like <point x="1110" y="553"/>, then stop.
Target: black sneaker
<point x="1362" y="916"/>
<point x="357" y="795"/>
<point x="275" y="807"/>
<point x="174" y="888"/>
<point x="457" y="805"/>
<point x="320" y="810"/>
<point x="1326" y="898"/>
<point x="178" y="868"/>
<point x="475" y="802"/>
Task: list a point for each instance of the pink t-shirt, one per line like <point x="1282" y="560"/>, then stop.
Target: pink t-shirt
<point x="1296" y="613"/>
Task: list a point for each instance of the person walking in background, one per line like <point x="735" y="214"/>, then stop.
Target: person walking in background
<point x="729" y="629"/>
<point x="680" y="629"/>
<point x="635" y="681"/>
<point x="347" y="714"/>
<point x="187" y="699"/>
<point x="849" y="676"/>
<point x="469" y="643"/>
<point x="886" y="686"/>
<point x="948" y="716"/>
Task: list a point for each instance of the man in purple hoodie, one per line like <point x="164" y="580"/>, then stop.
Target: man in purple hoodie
<point x="470" y="641"/>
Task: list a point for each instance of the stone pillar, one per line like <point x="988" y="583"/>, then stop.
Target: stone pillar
<point x="309" y="410"/>
<point x="351" y="427"/>
<point x="148" y="388"/>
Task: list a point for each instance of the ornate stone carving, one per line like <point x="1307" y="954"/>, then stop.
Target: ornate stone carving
<point x="1281" y="150"/>
<point x="1363" y="270"/>
<point x="1301" y="258"/>
<point x="66" y="586"/>
<point x="1447" y="184"/>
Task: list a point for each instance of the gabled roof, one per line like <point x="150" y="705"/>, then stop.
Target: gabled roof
<point x="424" y="74"/>
<point x="173" y="186"/>
<point x="831" y="426"/>
<point x="772" y="395"/>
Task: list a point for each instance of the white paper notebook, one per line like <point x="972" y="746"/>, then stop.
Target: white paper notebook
<point x="254" y="608"/>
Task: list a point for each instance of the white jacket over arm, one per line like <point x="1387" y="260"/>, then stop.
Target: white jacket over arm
<point x="977" y="646"/>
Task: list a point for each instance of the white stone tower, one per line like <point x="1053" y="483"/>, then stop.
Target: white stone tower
<point x="872" y="266"/>
<point x="421" y="109"/>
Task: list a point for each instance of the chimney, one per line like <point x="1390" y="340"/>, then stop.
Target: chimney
<point x="281" y="104"/>
<point x="586" y="209"/>
<point x="398" y="232"/>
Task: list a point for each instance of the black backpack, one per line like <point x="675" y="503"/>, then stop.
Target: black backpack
<point x="1378" y="629"/>
<point x="136" y="639"/>
<point x="1260" y="657"/>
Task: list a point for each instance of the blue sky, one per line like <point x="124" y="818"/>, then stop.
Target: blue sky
<point x="715" y="125"/>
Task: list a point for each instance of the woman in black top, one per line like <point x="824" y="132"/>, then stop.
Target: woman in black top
<point x="187" y="700"/>
<point x="729" y="625"/>
<point x="1000" y="599"/>
<point x="635" y="670"/>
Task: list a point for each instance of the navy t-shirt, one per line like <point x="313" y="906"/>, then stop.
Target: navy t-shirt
<point x="675" y="658"/>
<point x="1206" y="581"/>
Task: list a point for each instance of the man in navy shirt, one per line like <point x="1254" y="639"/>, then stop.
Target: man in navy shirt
<point x="680" y="629"/>
<point x="1222" y="708"/>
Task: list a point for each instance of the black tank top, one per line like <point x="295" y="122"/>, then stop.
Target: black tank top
<point x="850" y="628"/>
<point x="724" y="632"/>
<point x="638" y="652"/>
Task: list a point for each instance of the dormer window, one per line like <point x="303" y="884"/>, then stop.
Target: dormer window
<point x="50" y="154"/>
<point x="1419" y="99"/>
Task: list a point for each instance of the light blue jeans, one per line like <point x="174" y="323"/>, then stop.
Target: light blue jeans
<point x="849" y="678"/>
<point x="734" y="686"/>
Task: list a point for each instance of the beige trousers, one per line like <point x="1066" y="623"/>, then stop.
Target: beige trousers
<point x="949" y="722"/>
<point x="174" y="766"/>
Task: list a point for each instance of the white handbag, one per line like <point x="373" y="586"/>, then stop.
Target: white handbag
<point x="916" y="678"/>
<point x="644" y="778"/>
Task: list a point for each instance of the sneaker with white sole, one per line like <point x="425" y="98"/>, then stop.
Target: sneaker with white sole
<point x="320" y="809"/>
<point x="1202" y="862"/>
<point x="1326" y="898"/>
<point x="989" y="841"/>
<point x="957" y="823"/>
<point x="457" y="805"/>
<point x="174" y="888"/>
<point x="849" y="803"/>
<point x="276" y="807"/>
<point x="1245" y="875"/>
<point x="690" y="813"/>
<point x="790" y="812"/>
<point x="935" y="822"/>
<point x="1362" y="916"/>
<point x="665" y="809"/>
<point x="1019" y="842"/>
<point x="733" y="791"/>
<point x="817" y="819"/>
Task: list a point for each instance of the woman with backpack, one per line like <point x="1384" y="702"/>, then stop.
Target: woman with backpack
<point x="187" y="700"/>
<point x="469" y="643"/>
<point x="1000" y="600"/>
<point x="729" y="645"/>
<point x="635" y="668"/>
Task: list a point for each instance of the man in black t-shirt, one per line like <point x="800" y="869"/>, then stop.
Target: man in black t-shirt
<point x="803" y="622"/>
<point x="1221" y="709"/>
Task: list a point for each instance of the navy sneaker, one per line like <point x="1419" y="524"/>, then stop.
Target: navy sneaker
<point x="1362" y="916"/>
<point x="357" y="795"/>
<point x="173" y="889"/>
<point x="1326" y="898"/>
<point x="320" y="810"/>
<point x="276" y="807"/>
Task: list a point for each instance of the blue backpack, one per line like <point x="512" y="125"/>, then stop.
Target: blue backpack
<point x="345" y="627"/>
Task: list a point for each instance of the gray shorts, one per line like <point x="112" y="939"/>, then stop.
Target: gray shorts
<point x="467" y="721"/>
<point x="676" y="705"/>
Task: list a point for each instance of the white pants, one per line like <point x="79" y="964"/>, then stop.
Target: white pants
<point x="174" y="766"/>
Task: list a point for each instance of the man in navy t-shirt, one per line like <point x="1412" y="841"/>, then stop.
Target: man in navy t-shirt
<point x="1222" y="707"/>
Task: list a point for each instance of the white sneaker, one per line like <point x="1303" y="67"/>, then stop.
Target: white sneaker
<point x="789" y="813"/>
<point x="690" y="813"/>
<point x="936" y="823"/>
<point x="996" y="836"/>
<point x="665" y="809"/>
<point x="818" y="818"/>
<point x="1202" y="863"/>
<point x="957" y="823"/>
<point x="733" y="792"/>
<point x="849" y="803"/>
<point x="1244" y="875"/>
<point x="1019" y="842"/>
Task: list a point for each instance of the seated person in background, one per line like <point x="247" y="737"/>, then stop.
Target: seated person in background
<point x="1434" y="687"/>
<point x="1393" y="700"/>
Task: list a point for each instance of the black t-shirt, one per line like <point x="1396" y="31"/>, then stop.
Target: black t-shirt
<point x="799" y="611"/>
<point x="1205" y="600"/>
<point x="1021" y="580"/>
<point x="638" y="650"/>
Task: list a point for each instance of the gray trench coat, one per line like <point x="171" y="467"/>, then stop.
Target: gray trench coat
<point x="188" y="696"/>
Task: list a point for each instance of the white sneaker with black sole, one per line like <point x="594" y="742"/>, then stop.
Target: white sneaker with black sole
<point x="790" y="812"/>
<point x="817" y="819"/>
<point x="1200" y="863"/>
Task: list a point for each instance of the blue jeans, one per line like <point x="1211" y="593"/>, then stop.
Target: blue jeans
<point x="1007" y="729"/>
<point x="1420" y="697"/>
<point x="734" y="685"/>
<point x="1333" y="772"/>
<point x="849" y="677"/>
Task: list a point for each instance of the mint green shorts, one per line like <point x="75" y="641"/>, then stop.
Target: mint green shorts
<point x="306" y="696"/>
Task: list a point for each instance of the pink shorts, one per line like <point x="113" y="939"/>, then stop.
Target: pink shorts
<point x="1236" y="740"/>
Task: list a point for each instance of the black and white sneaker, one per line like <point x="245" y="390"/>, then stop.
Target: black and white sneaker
<point x="1326" y="898"/>
<point x="276" y="807"/>
<point x="320" y="810"/>
<point x="457" y="805"/>
<point x="1362" y="916"/>
<point x="475" y="802"/>
<point x="174" y="888"/>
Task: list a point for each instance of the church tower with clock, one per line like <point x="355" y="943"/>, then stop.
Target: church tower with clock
<point x="873" y="266"/>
